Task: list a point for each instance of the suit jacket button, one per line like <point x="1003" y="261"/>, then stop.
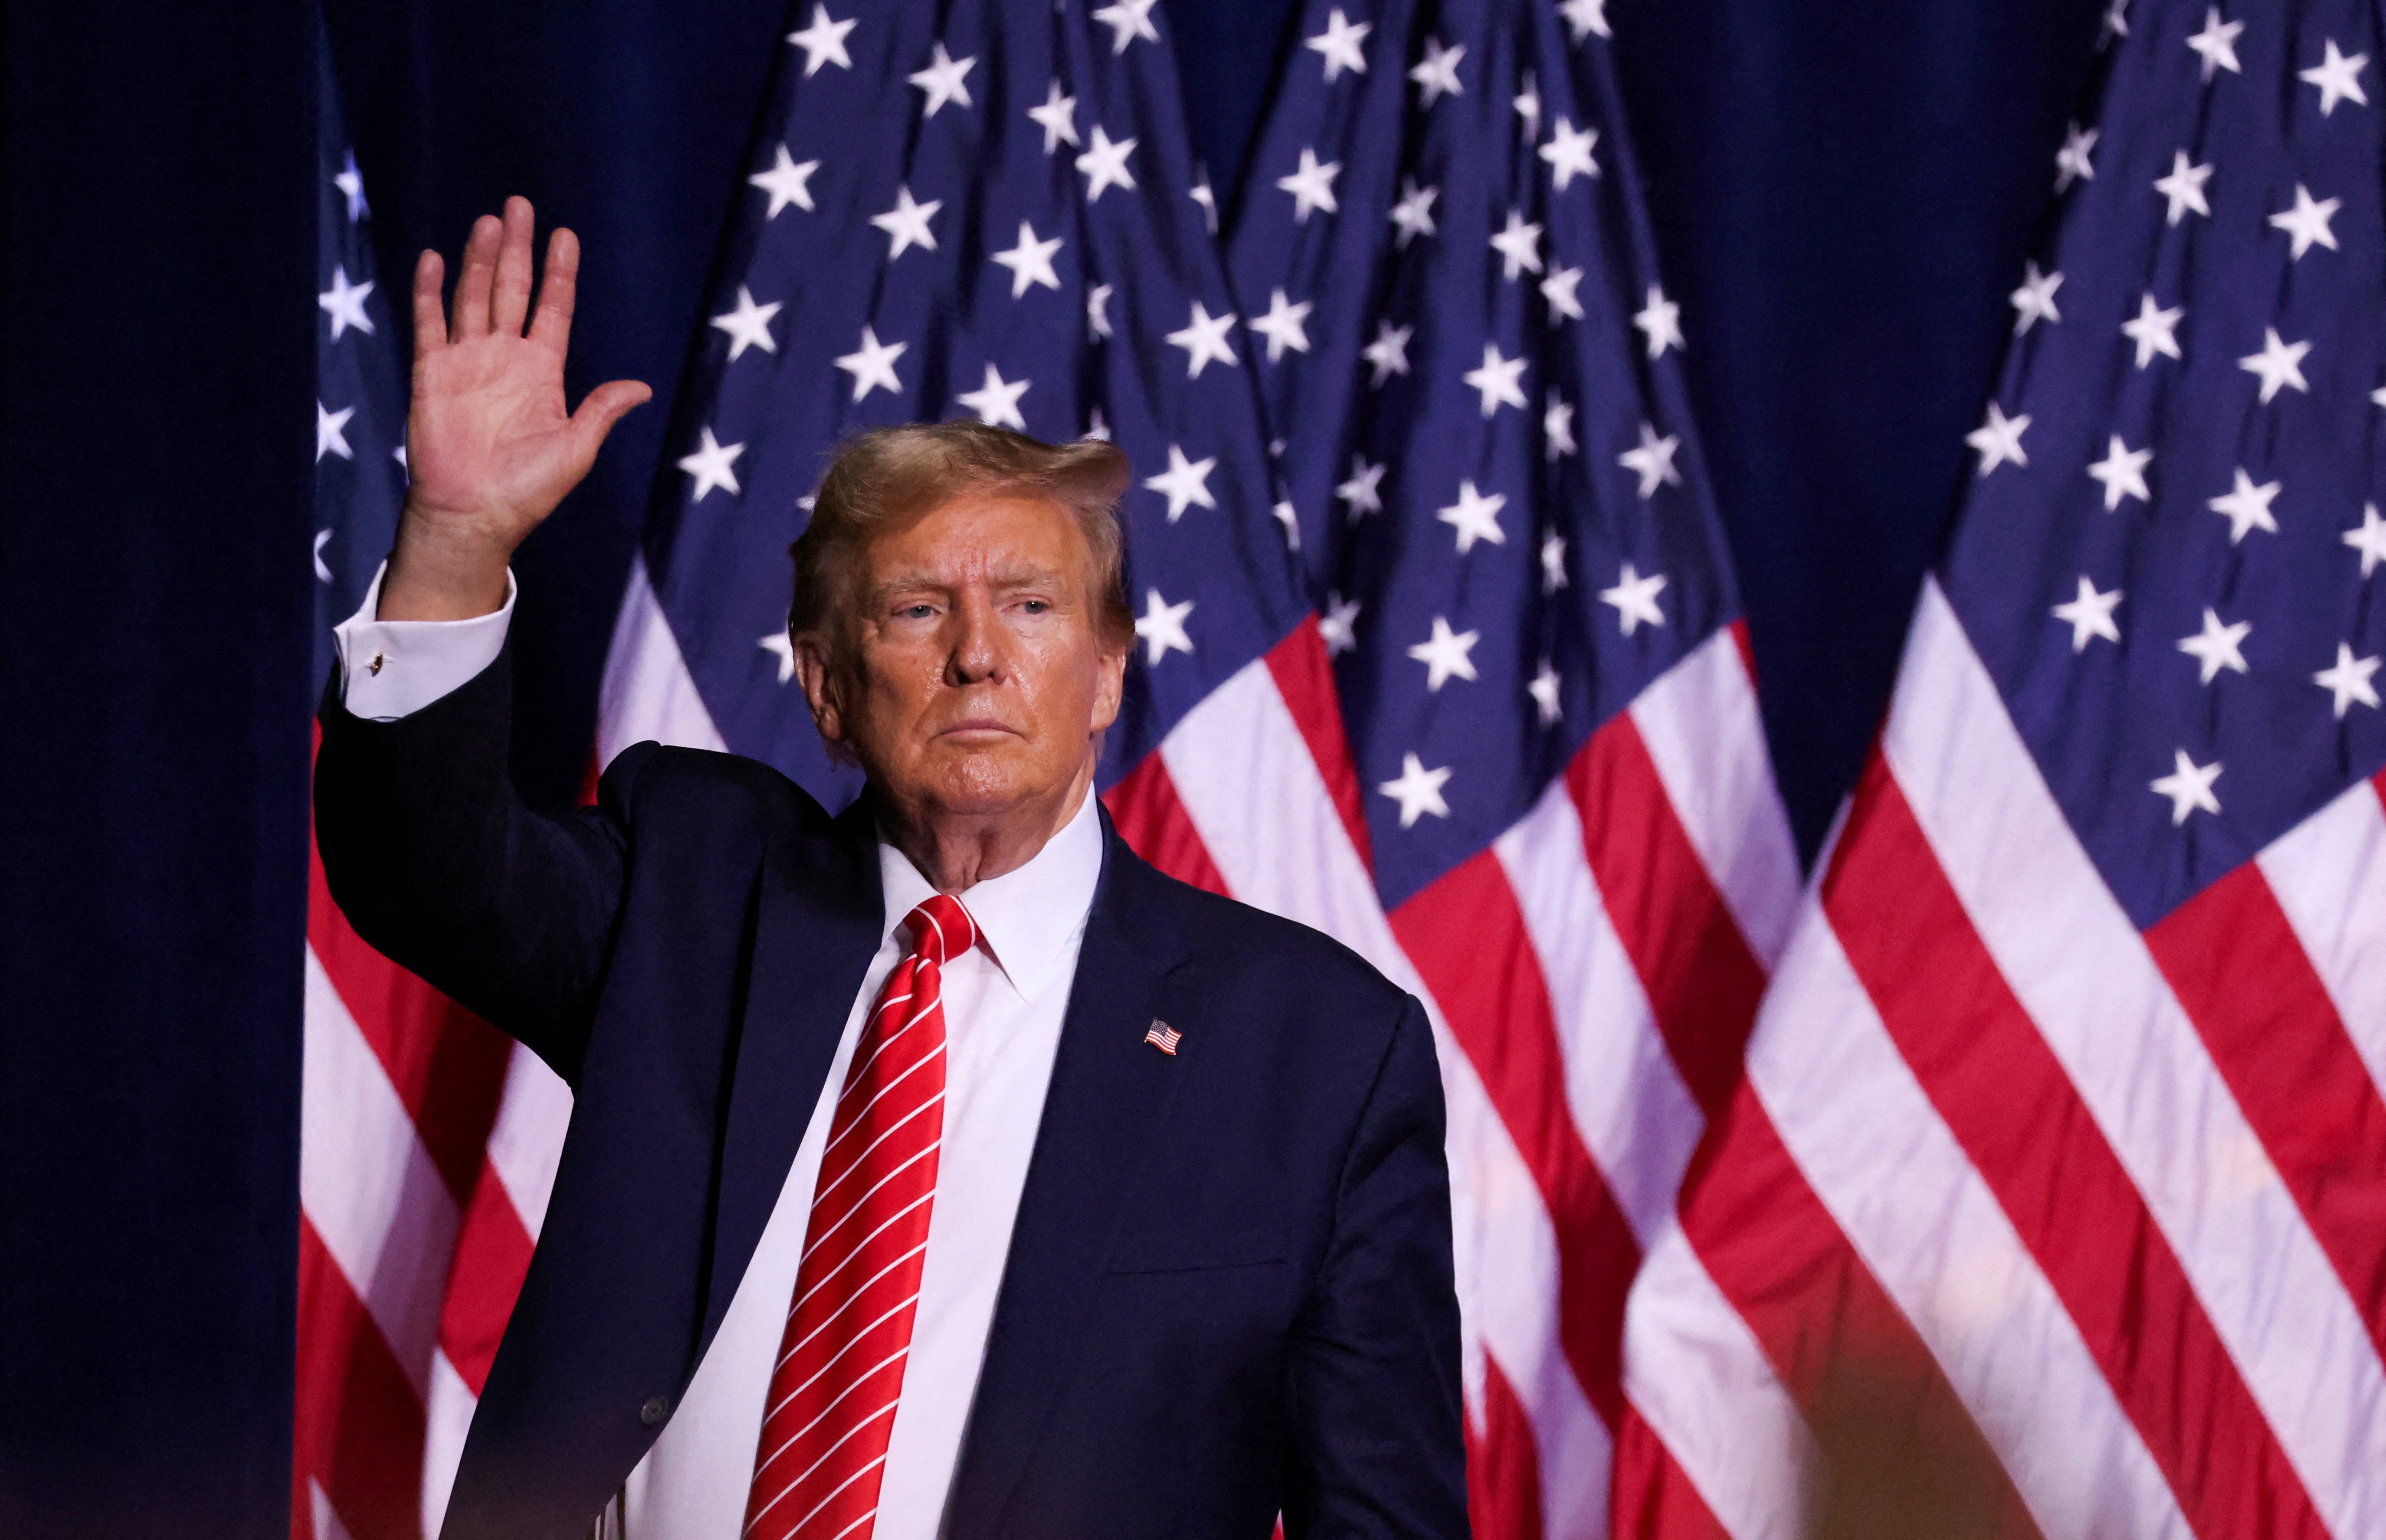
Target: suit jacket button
<point x="652" y="1413"/>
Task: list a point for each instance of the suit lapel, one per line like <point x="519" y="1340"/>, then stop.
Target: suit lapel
<point x="1109" y="1096"/>
<point x="818" y="920"/>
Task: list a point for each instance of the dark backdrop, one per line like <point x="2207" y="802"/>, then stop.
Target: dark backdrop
<point x="1844" y="191"/>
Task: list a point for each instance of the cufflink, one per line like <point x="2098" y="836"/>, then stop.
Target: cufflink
<point x="1164" y="1038"/>
<point x="374" y="667"/>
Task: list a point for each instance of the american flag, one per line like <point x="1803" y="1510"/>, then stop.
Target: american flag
<point x="2061" y="1143"/>
<point x="1547" y="809"/>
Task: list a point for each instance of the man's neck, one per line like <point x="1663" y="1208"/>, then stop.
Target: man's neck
<point x="955" y="852"/>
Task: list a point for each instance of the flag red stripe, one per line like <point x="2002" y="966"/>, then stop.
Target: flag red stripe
<point x="359" y="1426"/>
<point x="1503" y="1465"/>
<point x="1304" y="677"/>
<point x="2235" y="963"/>
<point x="1651" y="1497"/>
<point x="492" y="1258"/>
<point x="1858" y="1371"/>
<point x="1702" y="979"/>
<point x="1152" y="819"/>
<point x="1467" y="938"/>
<point x="2006" y="1099"/>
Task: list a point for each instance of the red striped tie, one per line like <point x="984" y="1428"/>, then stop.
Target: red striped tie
<point x="840" y="1369"/>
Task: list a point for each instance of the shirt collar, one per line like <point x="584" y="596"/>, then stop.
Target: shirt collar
<point x="1026" y="917"/>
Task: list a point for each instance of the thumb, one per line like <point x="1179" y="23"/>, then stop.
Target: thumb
<point x="601" y="408"/>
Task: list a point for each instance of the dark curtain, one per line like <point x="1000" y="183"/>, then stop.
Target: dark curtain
<point x="1844" y="191"/>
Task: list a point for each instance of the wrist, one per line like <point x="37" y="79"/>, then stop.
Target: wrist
<point x="443" y="570"/>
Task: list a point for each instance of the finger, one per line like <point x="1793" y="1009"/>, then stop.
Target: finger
<point x="480" y="274"/>
<point x="430" y="317"/>
<point x="511" y="301"/>
<point x="559" y="291"/>
<point x="605" y="405"/>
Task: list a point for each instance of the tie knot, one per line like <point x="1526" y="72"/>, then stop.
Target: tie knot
<point x="941" y="929"/>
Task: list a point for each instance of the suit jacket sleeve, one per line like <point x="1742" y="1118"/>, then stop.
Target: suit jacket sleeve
<point x="438" y="863"/>
<point x="1375" y="1372"/>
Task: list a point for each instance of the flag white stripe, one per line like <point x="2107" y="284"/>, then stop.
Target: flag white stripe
<point x="447" y="1418"/>
<point x="1877" y="1154"/>
<point x="2329" y="873"/>
<point x="2087" y="979"/>
<point x="527" y="1139"/>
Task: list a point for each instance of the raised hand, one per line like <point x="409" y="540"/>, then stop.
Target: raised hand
<point x="489" y="445"/>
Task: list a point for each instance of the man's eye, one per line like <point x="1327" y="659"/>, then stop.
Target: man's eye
<point x="916" y="611"/>
<point x="1037" y="606"/>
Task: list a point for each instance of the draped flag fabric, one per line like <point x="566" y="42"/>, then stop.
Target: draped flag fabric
<point x="2054" y="1199"/>
<point x="427" y="1139"/>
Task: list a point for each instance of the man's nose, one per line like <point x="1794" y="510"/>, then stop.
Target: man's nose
<point x="978" y="652"/>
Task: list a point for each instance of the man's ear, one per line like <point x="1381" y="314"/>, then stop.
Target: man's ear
<point x="821" y="684"/>
<point x="1109" y="687"/>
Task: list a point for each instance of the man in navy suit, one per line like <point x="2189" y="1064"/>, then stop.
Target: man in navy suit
<point x="937" y="1168"/>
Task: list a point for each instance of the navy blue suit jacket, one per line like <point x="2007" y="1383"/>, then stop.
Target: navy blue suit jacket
<point x="1228" y="1292"/>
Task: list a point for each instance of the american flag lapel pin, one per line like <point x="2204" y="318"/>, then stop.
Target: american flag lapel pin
<point x="1163" y="1036"/>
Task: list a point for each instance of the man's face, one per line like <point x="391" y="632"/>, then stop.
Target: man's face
<point x="977" y="680"/>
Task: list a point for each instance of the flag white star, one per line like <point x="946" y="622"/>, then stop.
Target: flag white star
<point x="2089" y="616"/>
<point x="1098" y="310"/>
<point x="2034" y="301"/>
<point x="997" y="401"/>
<point x="788" y="181"/>
<point x="1388" y="354"/>
<point x="2279" y="363"/>
<point x="1497" y="379"/>
<point x="2071" y="162"/>
<point x="2188" y="786"/>
<point x="323" y="538"/>
<point x="1660" y="320"/>
<point x="1635" y="598"/>
<point x="344" y="302"/>
<point x="2216" y="646"/>
<point x="710" y="466"/>
<point x="1558" y="290"/>
<point x="2369" y="539"/>
<point x="1544" y="691"/>
<point x="1444" y="654"/>
<point x="1417" y="790"/>
<point x="1652" y="460"/>
<point x="2218" y="43"/>
<point x="906" y="224"/>
<point x="2307" y="222"/>
<point x="945" y="80"/>
<point x="2184" y="188"/>
<point x="1096" y="428"/>
<point x="1030" y="261"/>
<point x="1337" y="46"/>
<point x="1518" y="246"/>
<point x="873" y="364"/>
<point x="780" y="645"/>
<point x="1364" y="492"/>
<point x="2155" y="330"/>
<point x="1184" y="483"/>
<point x="329" y="437"/>
<point x="1568" y="153"/>
<point x="2339" y="78"/>
<point x="1475" y="517"/>
<point x="1588" y="18"/>
<point x="2349" y="680"/>
<point x="1128" y="19"/>
<point x="2247" y="507"/>
<point x="1528" y="103"/>
<point x="1289" y="517"/>
<point x="2378" y="396"/>
<point x="1057" y="117"/>
<point x="748" y="325"/>
<point x="1206" y="195"/>
<point x="2116" y="24"/>
<point x="1437" y="74"/>
<point x="1282" y="326"/>
<point x="1104" y="164"/>
<point x="1204" y="339"/>
<point x="1311" y="185"/>
<point x="1162" y="627"/>
<point x="824" y="42"/>
<point x="2123" y="471"/>
<point x="1414" y="212"/>
<point x="1338" y="625"/>
<point x="1999" y="439"/>
<point x="351" y="183"/>
<point x="1557" y="427"/>
<point x="1554" y="568"/>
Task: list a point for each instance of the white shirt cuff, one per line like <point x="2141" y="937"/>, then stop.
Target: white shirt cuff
<point x="392" y="669"/>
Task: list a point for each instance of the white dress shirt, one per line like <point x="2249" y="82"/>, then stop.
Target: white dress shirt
<point x="1004" y="1002"/>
